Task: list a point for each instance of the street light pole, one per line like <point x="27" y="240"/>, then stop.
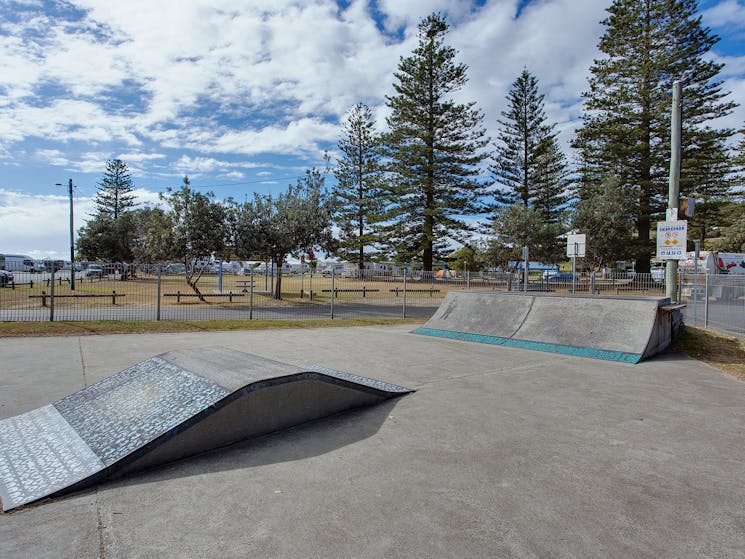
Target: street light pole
<point x="72" y="239"/>
<point x="671" y="266"/>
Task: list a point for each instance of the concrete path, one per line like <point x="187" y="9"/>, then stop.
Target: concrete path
<point x="501" y="452"/>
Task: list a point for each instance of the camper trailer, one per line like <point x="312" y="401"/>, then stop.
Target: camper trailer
<point x="20" y="263"/>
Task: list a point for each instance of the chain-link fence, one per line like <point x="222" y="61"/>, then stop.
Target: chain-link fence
<point x="716" y="301"/>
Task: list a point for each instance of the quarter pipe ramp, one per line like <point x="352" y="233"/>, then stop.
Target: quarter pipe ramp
<point x="626" y="329"/>
<point x="165" y="408"/>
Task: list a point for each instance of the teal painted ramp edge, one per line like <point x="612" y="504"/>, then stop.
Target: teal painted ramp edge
<point x="605" y="354"/>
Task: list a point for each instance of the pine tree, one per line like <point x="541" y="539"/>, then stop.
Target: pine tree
<point x="115" y="190"/>
<point x="434" y="148"/>
<point x="528" y="163"/>
<point x="648" y="44"/>
<point x="711" y="183"/>
<point x="357" y="196"/>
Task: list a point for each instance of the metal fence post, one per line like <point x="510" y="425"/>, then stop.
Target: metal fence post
<point x="694" y="291"/>
<point x="251" y="296"/>
<point x="157" y="301"/>
<point x="51" y="295"/>
<point x="592" y="282"/>
<point x="468" y="279"/>
<point x="404" y="305"/>
<point x="706" y="300"/>
<point x="333" y="289"/>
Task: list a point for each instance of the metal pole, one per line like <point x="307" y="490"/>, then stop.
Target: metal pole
<point x="219" y="276"/>
<point x="72" y="243"/>
<point x="696" y="254"/>
<point x="157" y="301"/>
<point x="706" y="299"/>
<point x="671" y="267"/>
<point x="404" y="311"/>
<point x="251" y="297"/>
<point x="526" y="256"/>
<point x="468" y="279"/>
<point x="51" y="294"/>
<point x="694" y="289"/>
<point x="574" y="266"/>
<point x="333" y="287"/>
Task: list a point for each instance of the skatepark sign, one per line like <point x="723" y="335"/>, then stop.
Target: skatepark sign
<point x="672" y="237"/>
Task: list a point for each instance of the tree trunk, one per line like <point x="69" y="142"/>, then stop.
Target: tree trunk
<point x="192" y="278"/>
<point x="278" y="281"/>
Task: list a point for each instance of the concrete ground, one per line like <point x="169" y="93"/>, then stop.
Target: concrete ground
<point x="500" y="453"/>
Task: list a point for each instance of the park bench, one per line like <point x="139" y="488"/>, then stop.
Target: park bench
<point x="229" y="295"/>
<point x="364" y="291"/>
<point x="44" y="296"/>
<point x="401" y="290"/>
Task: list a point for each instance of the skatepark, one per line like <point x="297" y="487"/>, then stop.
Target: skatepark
<point x="500" y="451"/>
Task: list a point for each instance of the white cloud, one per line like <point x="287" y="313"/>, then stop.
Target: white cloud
<point x="220" y="78"/>
<point x="726" y="14"/>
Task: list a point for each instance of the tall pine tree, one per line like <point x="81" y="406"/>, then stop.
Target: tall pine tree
<point x="357" y="196"/>
<point x="648" y="44"/>
<point x="114" y="195"/>
<point x="434" y="148"/>
<point x="528" y="163"/>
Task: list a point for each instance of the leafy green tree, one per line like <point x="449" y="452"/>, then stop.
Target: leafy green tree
<point x="434" y="148"/>
<point x="528" y="163"/>
<point x="603" y="216"/>
<point x="199" y="229"/>
<point x="625" y="133"/>
<point x="97" y="240"/>
<point x="114" y="196"/>
<point x="295" y="222"/>
<point x="519" y="226"/>
<point x="358" y="196"/>
<point x="465" y="259"/>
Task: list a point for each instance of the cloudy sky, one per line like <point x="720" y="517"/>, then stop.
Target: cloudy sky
<point x="244" y="95"/>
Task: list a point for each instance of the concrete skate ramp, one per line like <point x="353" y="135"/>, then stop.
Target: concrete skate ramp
<point x="626" y="329"/>
<point x="165" y="408"/>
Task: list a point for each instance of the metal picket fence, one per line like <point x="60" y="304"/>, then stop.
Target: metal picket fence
<point x="711" y="301"/>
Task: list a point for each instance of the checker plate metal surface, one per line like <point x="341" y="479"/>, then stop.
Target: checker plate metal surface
<point x="126" y="411"/>
<point x="364" y="381"/>
<point x="39" y="454"/>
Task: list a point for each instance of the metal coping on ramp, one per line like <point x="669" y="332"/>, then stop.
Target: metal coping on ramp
<point x="623" y="329"/>
<point x="165" y="408"/>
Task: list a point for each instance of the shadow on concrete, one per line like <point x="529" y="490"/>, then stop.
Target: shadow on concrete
<point x="295" y="443"/>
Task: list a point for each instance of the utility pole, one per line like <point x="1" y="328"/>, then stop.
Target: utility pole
<point x="671" y="266"/>
<point x="72" y="239"/>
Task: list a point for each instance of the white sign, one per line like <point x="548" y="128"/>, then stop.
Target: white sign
<point x="576" y="245"/>
<point x="672" y="237"/>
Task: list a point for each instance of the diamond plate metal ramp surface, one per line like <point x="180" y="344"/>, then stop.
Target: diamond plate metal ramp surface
<point x="165" y="408"/>
<point x="625" y="329"/>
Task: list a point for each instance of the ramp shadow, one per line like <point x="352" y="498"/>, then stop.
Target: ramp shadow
<point x="299" y="442"/>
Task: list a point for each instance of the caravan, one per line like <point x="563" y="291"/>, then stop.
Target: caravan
<point x="20" y="263"/>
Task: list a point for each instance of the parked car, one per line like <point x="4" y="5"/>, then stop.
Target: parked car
<point x="6" y="278"/>
<point x="95" y="271"/>
<point x="175" y="268"/>
<point x="560" y="277"/>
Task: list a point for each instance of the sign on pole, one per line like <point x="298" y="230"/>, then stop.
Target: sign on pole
<point x="672" y="237"/>
<point x="576" y="246"/>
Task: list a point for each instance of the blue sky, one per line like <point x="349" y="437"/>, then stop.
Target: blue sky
<point x="243" y="96"/>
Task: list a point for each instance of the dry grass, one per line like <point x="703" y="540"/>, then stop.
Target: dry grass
<point x="726" y="353"/>
<point x="87" y="328"/>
